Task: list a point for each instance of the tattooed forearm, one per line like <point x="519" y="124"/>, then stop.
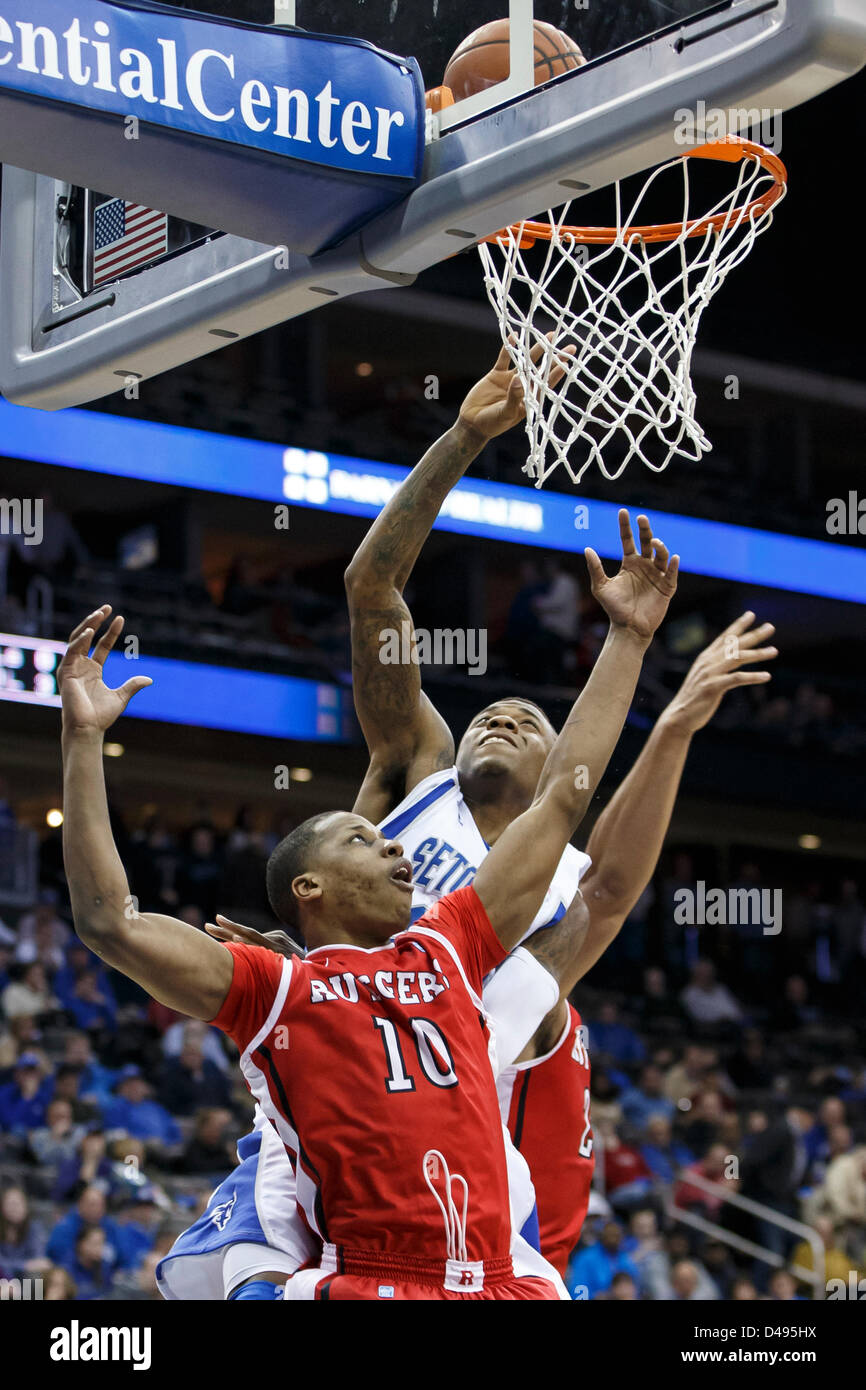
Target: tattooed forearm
<point x="389" y="550"/>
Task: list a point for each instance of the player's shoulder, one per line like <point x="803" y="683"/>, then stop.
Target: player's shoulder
<point x="431" y="791"/>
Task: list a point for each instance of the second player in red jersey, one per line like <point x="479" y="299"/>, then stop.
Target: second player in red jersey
<point x="546" y="1105"/>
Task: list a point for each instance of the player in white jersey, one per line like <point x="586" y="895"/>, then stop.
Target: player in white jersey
<point x="456" y="810"/>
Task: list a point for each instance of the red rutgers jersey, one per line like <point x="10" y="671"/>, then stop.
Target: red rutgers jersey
<point x="545" y="1104"/>
<point x="374" y="1068"/>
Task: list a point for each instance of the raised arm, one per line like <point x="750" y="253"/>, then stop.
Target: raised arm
<point x="627" y="838"/>
<point x="407" y="739"/>
<point x="176" y="964"/>
<point x="514" y="877"/>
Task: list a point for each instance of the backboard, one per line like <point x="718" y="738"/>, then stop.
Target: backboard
<point x="508" y="152"/>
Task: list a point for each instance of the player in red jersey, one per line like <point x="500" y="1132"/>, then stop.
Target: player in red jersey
<point x="372" y="1056"/>
<point x="545" y="1094"/>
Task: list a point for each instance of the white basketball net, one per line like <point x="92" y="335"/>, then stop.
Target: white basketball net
<point x="631" y="310"/>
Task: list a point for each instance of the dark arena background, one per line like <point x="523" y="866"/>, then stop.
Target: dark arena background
<point x="725" y="1023"/>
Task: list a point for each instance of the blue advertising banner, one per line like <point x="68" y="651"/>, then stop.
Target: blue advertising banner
<point x="337" y="103"/>
<point x="105" y="443"/>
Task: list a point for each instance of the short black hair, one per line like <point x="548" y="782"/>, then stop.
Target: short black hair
<point x="291" y="857"/>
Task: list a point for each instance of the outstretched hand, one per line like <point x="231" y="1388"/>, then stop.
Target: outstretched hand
<point x="637" y="597"/>
<point x="717" y="669"/>
<point x="89" y="705"/>
<point x="496" y="402"/>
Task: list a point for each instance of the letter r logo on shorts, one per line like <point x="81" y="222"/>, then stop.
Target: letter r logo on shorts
<point x="386" y="1290"/>
<point x="462" y="1275"/>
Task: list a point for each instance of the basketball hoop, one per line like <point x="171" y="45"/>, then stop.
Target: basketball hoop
<point x="628" y="299"/>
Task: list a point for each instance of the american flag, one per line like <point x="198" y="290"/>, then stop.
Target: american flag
<point x="125" y="235"/>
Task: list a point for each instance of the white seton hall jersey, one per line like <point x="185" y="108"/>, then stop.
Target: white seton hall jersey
<point x="439" y="835"/>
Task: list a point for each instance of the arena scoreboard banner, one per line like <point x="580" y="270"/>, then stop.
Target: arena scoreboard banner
<point x="187" y="692"/>
<point x="230" y="125"/>
<point x="181" y="457"/>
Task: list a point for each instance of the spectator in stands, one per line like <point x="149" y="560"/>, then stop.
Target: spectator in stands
<point x="623" y="1288"/>
<point x="557" y="608"/>
<point x="783" y="1287"/>
<point x="28" y="992"/>
<point x="608" y="1035"/>
<point x="744" y="1291"/>
<point x="748" y="1068"/>
<point x="138" y="1222"/>
<point x="831" y="1112"/>
<point x="627" y="1179"/>
<point x="24" y="1099"/>
<point x="641" y="1102"/>
<point x="773" y="1162"/>
<point x="59" y="1138"/>
<point x="60" y="548"/>
<point x="42" y="934"/>
<point x="661" y="1152"/>
<point x="843" y="1193"/>
<point x="88" y="1213"/>
<point x="22" y="1239"/>
<point x="645" y="1248"/>
<point x="720" y="1267"/>
<point x="88" y="1166"/>
<point x="706" y="1000"/>
<point x="80" y="964"/>
<point x="593" y="1268"/>
<point x="209" y="1040"/>
<point x="690" y="1283"/>
<point x="837" y="1263"/>
<point x="200" y="873"/>
<point x="21" y="1034"/>
<point x="659" y="1011"/>
<point x="794" y="1011"/>
<point x="92" y="1005"/>
<point x="714" y="1168"/>
<point x="90" y="1264"/>
<point x="605" y="1096"/>
<point x="96" y="1080"/>
<point x="58" y="1285"/>
<point x="687" y="1077"/>
<point x="190" y="1081"/>
<point x="211" y="1149"/>
<point x="134" y="1110"/>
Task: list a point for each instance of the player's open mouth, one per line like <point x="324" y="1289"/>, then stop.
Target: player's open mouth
<point x="497" y="738"/>
<point x="402" y="875"/>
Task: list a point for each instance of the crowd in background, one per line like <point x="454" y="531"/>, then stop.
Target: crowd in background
<point x="118" y="1117"/>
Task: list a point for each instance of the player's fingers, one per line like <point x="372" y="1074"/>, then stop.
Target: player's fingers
<point x="757" y="634"/>
<point x="542" y="348"/>
<point x="645" y="534"/>
<point x="93" y="621"/>
<point x="739" y="625"/>
<point x="625" y="535"/>
<point x="597" y="575"/>
<point x="747" y="657"/>
<point x="132" y="687"/>
<point x="563" y="358"/>
<point x="107" y="640"/>
<point x="660" y="554"/>
<point x="746" y="678"/>
<point x="503" y="361"/>
<point x="221" y="933"/>
<point x="673" y="570"/>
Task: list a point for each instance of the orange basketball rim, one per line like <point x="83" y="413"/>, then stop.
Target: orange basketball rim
<point x="730" y="150"/>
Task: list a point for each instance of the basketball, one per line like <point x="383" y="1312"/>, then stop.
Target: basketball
<point x="482" y="59"/>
